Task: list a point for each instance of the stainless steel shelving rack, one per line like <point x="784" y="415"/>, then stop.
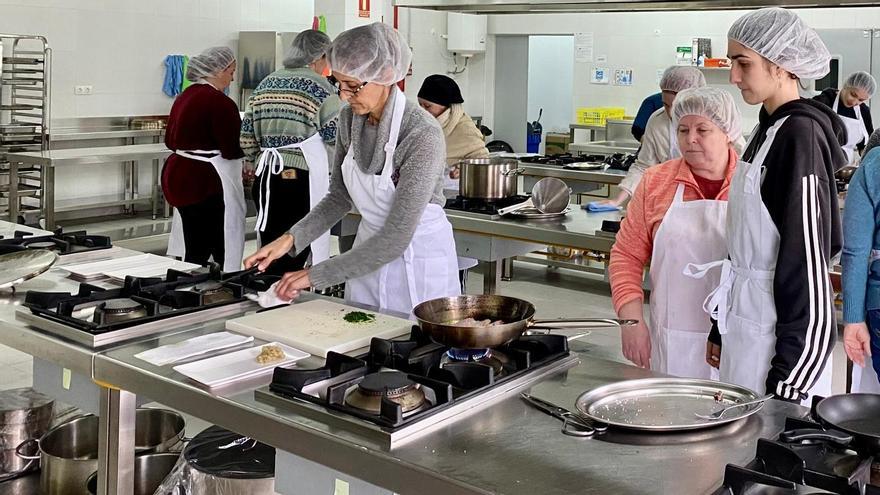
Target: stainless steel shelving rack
<point x="25" y="100"/>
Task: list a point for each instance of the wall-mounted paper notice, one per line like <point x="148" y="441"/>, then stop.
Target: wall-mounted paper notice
<point x="583" y="47"/>
<point x="623" y="77"/>
<point x="600" y="75"/>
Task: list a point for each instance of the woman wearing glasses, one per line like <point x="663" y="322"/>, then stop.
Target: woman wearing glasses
<point x="389" y="165"/>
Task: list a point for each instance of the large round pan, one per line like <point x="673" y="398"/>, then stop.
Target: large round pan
<point x="855" y="414"/>
<point x="437" y="318"/>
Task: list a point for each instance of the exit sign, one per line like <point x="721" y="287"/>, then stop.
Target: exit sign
<point x="364" y="8"/>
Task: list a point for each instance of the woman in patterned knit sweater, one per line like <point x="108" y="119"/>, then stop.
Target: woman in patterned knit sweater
<point x="290" y="119"/>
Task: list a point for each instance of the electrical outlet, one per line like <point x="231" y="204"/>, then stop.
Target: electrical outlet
<point x="82" y="90"/>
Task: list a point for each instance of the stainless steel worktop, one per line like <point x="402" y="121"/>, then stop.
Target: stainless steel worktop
<point x="501" y="447"/>
<point x="86" y="156"/>
<point x="612" y="177"/>
<point x="576" y="230"/>
<point x="76" y="134"/>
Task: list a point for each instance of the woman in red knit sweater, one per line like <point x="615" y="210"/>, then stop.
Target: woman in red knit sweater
<point x="202" y="179"/>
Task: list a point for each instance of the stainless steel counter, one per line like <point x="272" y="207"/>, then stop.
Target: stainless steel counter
<point x="49" y="160"/>
<point x="609" y="177"/>
<point x="502" y="447"/>
<point x="76" y="134"/>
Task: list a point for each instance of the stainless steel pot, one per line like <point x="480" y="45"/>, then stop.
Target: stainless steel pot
<point x="150" y="471"/>
<point x="209" y="484"/>
<point x="68" y="456"/>
<point x="488" y="178"/>
<point x="68" y="453"/>
<point x="24" y="414"/>
<point x="220" y="461"/>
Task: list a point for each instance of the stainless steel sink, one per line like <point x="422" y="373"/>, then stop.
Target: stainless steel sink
<point x="606" y="147"/>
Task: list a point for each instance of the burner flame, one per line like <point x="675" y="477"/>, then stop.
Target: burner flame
<point x="467" y="354"/>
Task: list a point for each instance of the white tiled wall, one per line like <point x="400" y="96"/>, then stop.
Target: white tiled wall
<point x="118" y="46"/>
<point x="645" y="42"/>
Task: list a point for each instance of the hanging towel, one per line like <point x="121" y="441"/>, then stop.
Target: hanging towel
<point x="184" y="82"/>
<point x="315" y="23"/>
<point x="171" y="86"/>
<point x="322" y="24"/>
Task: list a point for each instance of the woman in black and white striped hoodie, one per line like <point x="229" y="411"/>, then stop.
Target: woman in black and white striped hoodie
<point x="774" y="311"/>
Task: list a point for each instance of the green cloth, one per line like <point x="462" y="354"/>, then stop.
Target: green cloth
<point x="186" y="83"/>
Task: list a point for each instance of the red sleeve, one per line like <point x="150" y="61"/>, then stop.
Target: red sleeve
<point x="226" y="127"/>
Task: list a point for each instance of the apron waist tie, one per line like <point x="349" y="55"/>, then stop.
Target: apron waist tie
<point x="271" y="162"/>
<point x="717" y="303"/>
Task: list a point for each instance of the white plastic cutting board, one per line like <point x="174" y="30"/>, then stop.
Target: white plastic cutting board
<point x="318" y="327"/>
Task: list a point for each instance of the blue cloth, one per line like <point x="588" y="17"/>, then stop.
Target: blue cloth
<point x="173" y="75"/>
<point x="861" y="234"/>
<point x="599" y="206"/>
<point x="650" y="105"/>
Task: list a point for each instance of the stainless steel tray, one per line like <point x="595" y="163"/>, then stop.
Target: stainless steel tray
<point x="665" y="404"/>
<point x="534" y="214"/>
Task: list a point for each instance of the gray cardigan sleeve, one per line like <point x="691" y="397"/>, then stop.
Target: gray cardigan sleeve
<point x="420" y="160"/>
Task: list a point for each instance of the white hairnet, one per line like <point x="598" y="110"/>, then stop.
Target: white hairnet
<point x="861" y="80"/>
<point x="715" y="104"/>
<point x="781" y="37"/>
<point x="308" y="46"/>
<point x="209" y="63"/>
<point x="373" y="53"/>
<point x="678" y="78"/>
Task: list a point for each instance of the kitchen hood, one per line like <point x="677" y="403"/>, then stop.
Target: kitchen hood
<point x="556" y="6"/>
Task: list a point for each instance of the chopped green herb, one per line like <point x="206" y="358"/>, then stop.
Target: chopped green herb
<point x="359" y="317"/>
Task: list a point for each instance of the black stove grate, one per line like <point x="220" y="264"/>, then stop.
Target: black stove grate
<point x="60" y="242"/>
<point x="162" y="297"/>
<point x="422" y="359"/>
<point x="483" y="206"/>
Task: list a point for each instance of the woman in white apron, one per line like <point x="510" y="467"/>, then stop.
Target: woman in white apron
<point x="388" y="165"/>
<point x="289" y="123"/>
<point x="202" y="179"/>
<point x="677" y="217"/>
<point x="773" y="304"/>
<point x="861" y="271"/>
<point x="850" y="104"/>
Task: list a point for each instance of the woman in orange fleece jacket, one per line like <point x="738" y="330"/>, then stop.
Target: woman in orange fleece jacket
<point x="676" y="217"/>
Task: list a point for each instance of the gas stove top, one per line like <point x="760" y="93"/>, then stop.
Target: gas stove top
<point x="95" y="316"/>
<point x="61" y="242"/>
<point x="566" y="159"/>
<point x="402" y="388"/>
<point x="789" y="465"/>
<point x="482" y="208"/>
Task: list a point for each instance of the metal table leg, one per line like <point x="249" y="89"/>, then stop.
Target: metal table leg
<point x="49" y="195"/>
<point x="507" y="269"/>
<point x="116" y="422"/>
<point x="13" y="192"/>
<point x="491" y="276"/>
<point x="154" y="193"/>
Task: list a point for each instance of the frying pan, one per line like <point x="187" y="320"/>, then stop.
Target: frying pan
<point x="855" y="414"/>
<point x="437" y="317"/>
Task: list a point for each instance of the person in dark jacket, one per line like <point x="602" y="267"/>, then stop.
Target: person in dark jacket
<point x="649" y="105"/>
<point x="773" y="307"/>
<point x="202" y="179"/>
<point x="850" y="105"/>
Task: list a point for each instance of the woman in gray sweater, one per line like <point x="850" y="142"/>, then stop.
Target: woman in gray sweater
<point x="388" y="165"/>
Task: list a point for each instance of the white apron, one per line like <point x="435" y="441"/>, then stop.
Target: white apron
<point x="855" y="132"/>
<point x="691" y="232"/>
<point x="743" y="303"/>
<point x="674" y="152"/>
<point x="428" y="268"/>
<point x="234" y="214"/>
<point x="271" y="163"/>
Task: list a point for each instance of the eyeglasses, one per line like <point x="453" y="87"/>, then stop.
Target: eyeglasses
<point x="340" y="88"/>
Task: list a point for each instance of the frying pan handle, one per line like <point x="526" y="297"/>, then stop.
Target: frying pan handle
<point x="802" y="434"/>
<point x="513" y="171"/>
<point x="580" y="323"/>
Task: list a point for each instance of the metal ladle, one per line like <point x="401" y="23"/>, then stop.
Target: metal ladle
<point x="549" y="195"/>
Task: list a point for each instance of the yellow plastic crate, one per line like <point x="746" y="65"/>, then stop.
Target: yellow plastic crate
<point x="598" y="115"/>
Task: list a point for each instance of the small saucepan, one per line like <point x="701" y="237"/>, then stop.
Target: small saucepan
<point x="438" y="318"/>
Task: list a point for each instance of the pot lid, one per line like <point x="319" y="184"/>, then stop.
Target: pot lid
<point x="18" y="399"/>
<point x="222" y="453"/>
<point x="24" y="265"/>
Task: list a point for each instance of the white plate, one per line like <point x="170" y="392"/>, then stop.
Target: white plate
<point x="143" y="265"/>
<point x="227" y="368"/>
